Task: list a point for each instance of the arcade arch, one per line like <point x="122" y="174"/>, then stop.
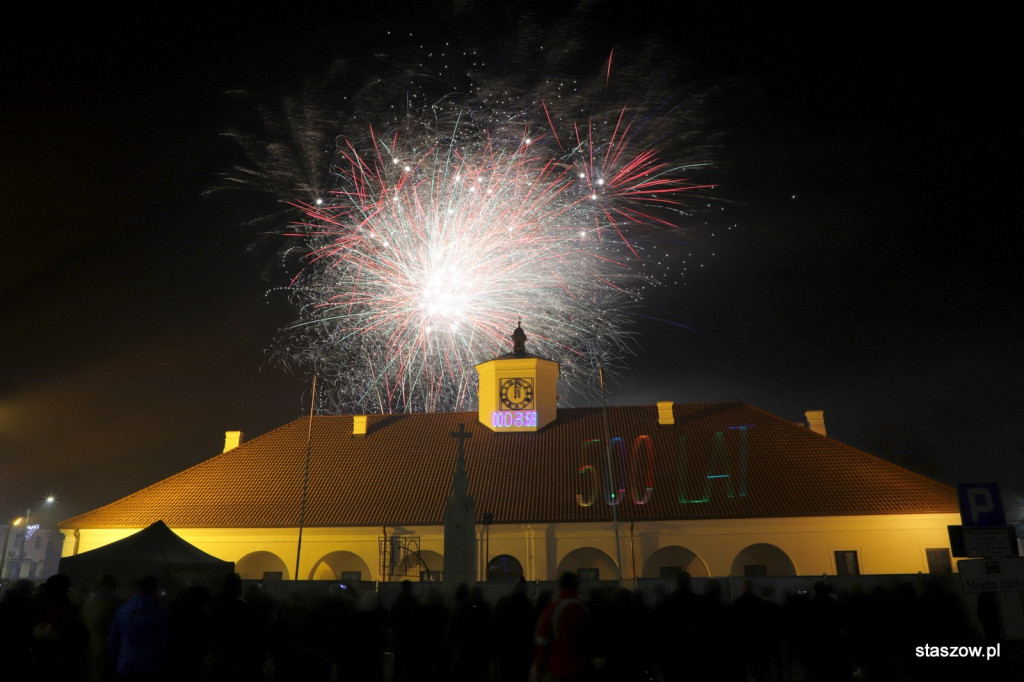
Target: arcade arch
<point x="761" y="560"/>
<point x="668" y="560"/>
<point x="257" y="566"/>
<point x="504" y="568"/>
<point x="433" y="562"/>
<point x="584" y="560"/>
<point x="340" y="565"/>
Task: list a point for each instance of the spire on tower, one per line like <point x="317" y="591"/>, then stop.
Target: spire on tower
<point x="519" y="340"/>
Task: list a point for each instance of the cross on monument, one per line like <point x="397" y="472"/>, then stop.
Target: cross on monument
<point x="460" y="482"/>
<point x="462" y="434"/>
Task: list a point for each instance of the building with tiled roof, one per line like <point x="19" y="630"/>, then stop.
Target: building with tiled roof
<point x="716" y="489"/>
<point x="696" y="490"/>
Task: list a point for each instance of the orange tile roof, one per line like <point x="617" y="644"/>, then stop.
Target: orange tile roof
<point x="719" y="460"/>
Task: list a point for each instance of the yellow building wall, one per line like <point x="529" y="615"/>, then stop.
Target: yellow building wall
<point x="884" y="544"/>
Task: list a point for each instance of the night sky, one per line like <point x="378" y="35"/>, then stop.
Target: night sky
<point x="861" y="256"/>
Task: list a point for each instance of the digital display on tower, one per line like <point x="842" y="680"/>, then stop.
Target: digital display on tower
<point x="504" y="419"/>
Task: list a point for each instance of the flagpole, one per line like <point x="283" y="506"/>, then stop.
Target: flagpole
<point x="611" y="474"/>
<point x="305" y="478"/>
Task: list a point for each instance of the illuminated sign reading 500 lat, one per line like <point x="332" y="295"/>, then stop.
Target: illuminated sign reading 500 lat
<point x="503" y="419"/>
<point x="632" y="469"/>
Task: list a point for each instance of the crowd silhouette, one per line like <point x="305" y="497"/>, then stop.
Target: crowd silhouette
<point x="237" y="634"/>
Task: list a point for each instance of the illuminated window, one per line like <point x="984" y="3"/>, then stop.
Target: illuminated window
<point x="589" y="575"/>
<point x="846" y="562"/>
<point x="939" y="560"/>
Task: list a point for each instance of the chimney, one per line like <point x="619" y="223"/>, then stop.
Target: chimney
<point x="665" y="417"/>
<point x="816" y="421"/>
<point x="359" y="424"/>
<point x="232" y="439"/>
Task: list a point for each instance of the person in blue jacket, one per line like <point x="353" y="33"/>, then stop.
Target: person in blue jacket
<point x="139" y="635"/>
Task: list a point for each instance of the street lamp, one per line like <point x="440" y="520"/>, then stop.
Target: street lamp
<point x="49" y="500"/>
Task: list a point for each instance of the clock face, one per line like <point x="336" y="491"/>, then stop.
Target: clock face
<point x="516" y="394"/>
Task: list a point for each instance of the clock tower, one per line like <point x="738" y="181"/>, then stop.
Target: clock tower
<point x="518" y="391"/>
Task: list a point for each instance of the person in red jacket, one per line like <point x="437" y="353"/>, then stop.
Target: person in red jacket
<point x="564" y="636"/>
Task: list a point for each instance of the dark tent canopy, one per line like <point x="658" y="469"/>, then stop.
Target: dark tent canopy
<point x="156" y="551"/>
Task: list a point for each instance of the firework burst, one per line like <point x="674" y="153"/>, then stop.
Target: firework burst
<point x="441" y="226"/>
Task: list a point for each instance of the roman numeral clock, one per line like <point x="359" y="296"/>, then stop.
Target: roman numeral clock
<point x="518" y="391"/>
